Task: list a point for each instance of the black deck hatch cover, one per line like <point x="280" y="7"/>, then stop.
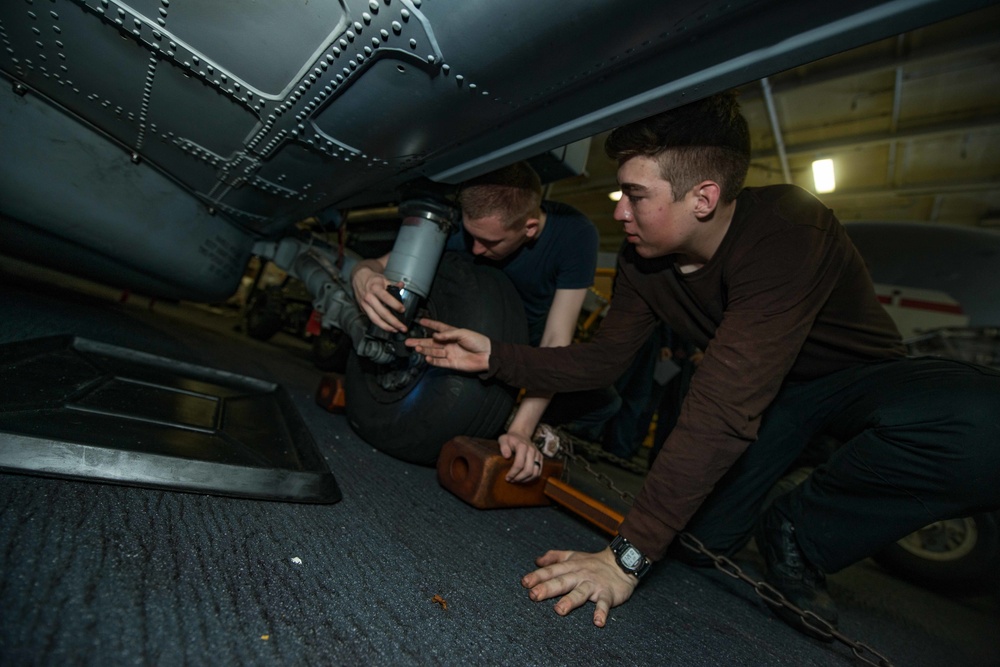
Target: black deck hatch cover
<point x="82" y="409"/>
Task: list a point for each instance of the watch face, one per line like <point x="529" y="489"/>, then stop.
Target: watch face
<point x="631" y="558"/>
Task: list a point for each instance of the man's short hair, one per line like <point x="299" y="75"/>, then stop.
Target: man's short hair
<point x="708" y="139"/>
<point x="514" y="193"/>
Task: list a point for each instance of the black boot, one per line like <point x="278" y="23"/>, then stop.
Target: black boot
<point x="793" y="576"/>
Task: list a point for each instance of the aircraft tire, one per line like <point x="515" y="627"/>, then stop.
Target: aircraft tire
<point x="957" y="555"/>
<point x="413" y="422"/>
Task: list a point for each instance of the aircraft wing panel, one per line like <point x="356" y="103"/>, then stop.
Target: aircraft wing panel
<point x="267" y="113"/>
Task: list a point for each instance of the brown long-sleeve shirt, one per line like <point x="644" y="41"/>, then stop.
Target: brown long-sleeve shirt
<point x="785" y="298"/>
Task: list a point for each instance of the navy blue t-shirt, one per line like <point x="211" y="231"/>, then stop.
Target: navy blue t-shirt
<point x="564" y="256"/>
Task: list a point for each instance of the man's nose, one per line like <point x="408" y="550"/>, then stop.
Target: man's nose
<point x="622" y="210"/>
<point x="477" y="248"/>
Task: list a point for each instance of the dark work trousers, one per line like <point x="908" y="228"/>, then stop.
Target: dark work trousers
<point x="921" y="443"/>
<point x="583" y="413"/>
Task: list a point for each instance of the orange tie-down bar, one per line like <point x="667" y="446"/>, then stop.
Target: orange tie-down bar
<point x="473" y="469"/>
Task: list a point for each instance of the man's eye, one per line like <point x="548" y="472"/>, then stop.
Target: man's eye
<point x="634" y="198"/>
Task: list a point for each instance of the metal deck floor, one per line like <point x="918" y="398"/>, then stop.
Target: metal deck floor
<point x="101" y="574"/>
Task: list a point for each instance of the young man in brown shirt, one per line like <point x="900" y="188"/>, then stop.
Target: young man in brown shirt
<point x="796" y="344"/>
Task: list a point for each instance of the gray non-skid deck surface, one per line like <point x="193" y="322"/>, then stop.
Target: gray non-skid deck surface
<point x="112" y="575"/>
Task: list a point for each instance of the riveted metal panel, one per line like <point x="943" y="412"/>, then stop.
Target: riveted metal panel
<point x="95" y="74"/>
<point x="268" y="112"/>
<point x="291" y="181"/>
<point x="263" y="45"/>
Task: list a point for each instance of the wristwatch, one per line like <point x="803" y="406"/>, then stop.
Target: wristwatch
<point x="629" y="558"/>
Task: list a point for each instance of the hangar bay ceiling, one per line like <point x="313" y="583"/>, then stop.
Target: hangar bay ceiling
<point x="912" y="123"/>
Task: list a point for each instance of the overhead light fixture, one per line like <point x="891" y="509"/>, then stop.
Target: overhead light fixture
<point x="615" y="196"/>
<point x="823" y="175"/>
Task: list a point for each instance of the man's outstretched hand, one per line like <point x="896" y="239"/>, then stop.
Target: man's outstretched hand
<point x="579" y="577"/>
<point x="458" y="349"/>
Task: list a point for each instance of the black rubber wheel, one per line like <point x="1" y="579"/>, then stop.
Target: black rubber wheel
<point x="266" y="315"/>
<point x="413" y="421"/>
<point x="957" y="555"/>
<point x="330" y="350"/>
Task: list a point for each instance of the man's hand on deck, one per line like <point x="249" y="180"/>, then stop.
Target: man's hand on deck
<point x="458" y="349"/>
<point x="578" y="577"/>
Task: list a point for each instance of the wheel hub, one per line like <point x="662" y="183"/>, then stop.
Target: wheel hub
<point x="943" y="540"/>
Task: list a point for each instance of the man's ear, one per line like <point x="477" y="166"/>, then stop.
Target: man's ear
<point x="706" y="198"/>
<point x="531" y="227"/>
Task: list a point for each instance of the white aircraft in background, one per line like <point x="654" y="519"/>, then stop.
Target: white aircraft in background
<point x="938" y="283"/>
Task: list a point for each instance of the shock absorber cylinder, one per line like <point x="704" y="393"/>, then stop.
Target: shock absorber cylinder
<point x="417" y="251"/>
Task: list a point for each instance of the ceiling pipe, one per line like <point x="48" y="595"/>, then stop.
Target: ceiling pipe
<point x="779" y="141"/>
<point x="935" y="215"/>
<point x="897" y="103"/>
<point x="897" y="93"/>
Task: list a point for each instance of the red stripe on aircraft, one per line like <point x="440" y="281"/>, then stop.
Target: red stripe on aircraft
<point x="919" y="304"/>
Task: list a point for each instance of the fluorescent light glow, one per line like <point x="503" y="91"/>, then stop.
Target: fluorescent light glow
<point x="615" y="196"/>
<point x="823" y="175"/>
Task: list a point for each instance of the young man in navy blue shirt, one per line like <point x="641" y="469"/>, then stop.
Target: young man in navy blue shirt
<point x="548" y="250"/>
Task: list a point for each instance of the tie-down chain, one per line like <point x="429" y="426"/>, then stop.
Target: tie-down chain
<point x="557" y="442"/>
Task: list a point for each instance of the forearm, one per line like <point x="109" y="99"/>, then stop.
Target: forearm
<point x="559" y="329"/>
<point x="577" y="367"/>
<point x="528" y="414"/>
